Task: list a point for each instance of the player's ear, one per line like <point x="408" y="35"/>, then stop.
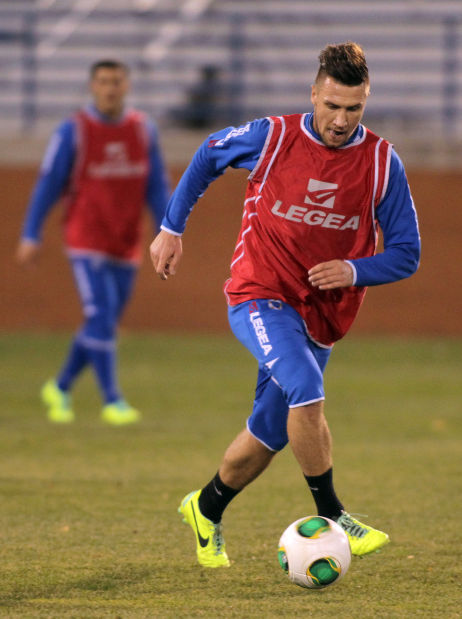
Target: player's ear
<point x="313" y="93"/>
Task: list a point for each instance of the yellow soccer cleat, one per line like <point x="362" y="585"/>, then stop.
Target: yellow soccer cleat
<point x="210" y="545"/>
<point x="120" y="414"/>
<point x="58" y="403"/>
<point x="363" y="539"/>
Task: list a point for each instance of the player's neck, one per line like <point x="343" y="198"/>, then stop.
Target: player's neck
<point x="108" y="115"/>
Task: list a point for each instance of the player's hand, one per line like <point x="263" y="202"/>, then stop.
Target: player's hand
<point x="27" y="252"/>
<point x="166" y="251"/>
<point x="332" y="274"/>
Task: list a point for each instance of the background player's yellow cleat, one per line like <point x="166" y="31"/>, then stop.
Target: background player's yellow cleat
<point x="58" y="403"/>
<point x="120" y="414"/>
<point x="363" y="539"/>
<point x="210" y="545"/>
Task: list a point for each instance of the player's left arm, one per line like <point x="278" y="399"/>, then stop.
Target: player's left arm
<point x="397" y="218"/>
<point x="331" y="274"/>
<point x="158" y="186"/>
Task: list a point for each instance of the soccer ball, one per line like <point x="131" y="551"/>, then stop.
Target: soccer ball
<point x="314" y="552"/>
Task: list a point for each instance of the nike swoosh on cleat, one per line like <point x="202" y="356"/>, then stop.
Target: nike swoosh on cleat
<point x="203" y="541"/>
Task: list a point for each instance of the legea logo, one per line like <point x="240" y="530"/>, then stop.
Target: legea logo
<point x="321" y="193"/>
<point x="116" y="163"/>
<point x="115" y="151"/>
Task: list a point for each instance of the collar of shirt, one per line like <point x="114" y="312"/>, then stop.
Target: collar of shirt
<point x="357" y="133"/>
<point x="92" y="110"/>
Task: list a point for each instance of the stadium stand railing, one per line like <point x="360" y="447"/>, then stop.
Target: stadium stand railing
<point x="261" y="57"/>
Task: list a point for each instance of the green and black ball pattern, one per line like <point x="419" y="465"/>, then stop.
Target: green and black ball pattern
<point x="323" y="571"/>
<point x="313" y="527"/>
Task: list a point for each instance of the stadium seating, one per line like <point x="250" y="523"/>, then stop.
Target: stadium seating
<point x="265" y="55"/>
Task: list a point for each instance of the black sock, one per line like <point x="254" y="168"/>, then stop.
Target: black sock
<point x="214" y="498"/>
<point x="322" y="489"/>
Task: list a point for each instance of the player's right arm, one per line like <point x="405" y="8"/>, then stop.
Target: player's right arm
<point x="237" y="147"/>
<point x="54" y="174"/>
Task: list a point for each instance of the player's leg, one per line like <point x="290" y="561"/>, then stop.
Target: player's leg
<point x="295" y="367"/>
<point x="98" y="292"/>
<point x="202" y="509"/>
<point x="76" y="361"/>
<point x="122" y="278"/>
<point x="95" y="343"/>
<point x="56" y="392"/>
<point x="310" y="440"/>
<point x="309" y="421"/>
<point x="246" y="457"/>
<point x="77" y="358"/>
<point x="296" y="364"/>
<point x="252" y="451"/>
<point x="244" y="460"/>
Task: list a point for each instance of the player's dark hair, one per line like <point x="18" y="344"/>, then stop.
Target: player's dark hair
<point x="345" y="63"/>
<point x="108" y="63"/>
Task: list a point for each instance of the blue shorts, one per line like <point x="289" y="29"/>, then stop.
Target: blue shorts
<point x="104" y="287"/>
<point x="290" y="365"/>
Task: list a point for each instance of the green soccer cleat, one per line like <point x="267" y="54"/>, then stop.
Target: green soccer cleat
<point x="363" y="539"/>
<point x="119" y="414"/>
<point x="58" y="403"/>
<point x="210" y="545"/>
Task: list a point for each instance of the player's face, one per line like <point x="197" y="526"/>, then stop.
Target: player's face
<point x="338" y="109"/>
<point x="109" y="88"/>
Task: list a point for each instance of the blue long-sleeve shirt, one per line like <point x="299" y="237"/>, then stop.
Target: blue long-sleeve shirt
<point x="241" y="148"/>
<point x="56" y="170"/>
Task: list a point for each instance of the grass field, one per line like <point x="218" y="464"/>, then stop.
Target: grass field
<point x="88" y="518"/>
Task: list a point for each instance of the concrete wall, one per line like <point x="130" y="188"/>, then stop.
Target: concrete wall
<point x="45" y="298"/>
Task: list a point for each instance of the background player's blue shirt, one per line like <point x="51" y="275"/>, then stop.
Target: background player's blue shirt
<point x="57" y="166"/>
<point x="241" y="148"/>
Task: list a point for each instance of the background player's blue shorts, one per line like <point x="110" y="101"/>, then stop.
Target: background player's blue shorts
<point x="104" y="288"/>
<point x="290" y="365"/>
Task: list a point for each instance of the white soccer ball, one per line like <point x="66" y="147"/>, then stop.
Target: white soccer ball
<point x="314" y="552"/>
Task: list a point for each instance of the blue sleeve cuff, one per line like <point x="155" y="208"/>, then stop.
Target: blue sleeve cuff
<point x="397" y="218"/>
<point x="162" y="227"/>
<point x="355" y="273"/>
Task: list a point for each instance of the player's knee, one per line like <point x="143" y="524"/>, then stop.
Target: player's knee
<point x="101" y="326"/>
<point x="246" y="451"/>
<point x="312" y="413"/>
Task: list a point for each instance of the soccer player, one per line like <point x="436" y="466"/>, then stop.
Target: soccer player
<point x="106" y="162"/>
<point x="320" y="183"/>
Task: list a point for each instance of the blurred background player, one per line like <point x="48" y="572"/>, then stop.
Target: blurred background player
<point x="107" y="164"/>
<point x="319" y="185"/>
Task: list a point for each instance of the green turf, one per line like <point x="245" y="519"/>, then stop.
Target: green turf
<point x="88" y="520"/>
